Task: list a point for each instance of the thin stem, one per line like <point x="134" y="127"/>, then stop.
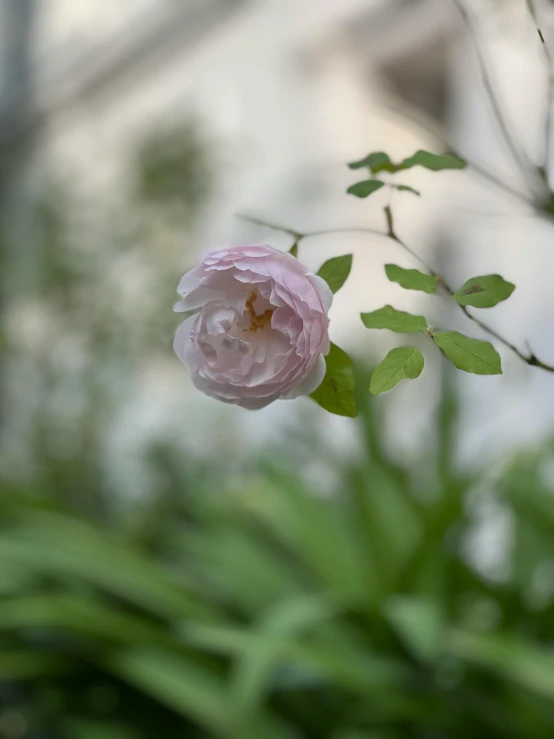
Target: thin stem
<point x="518" y="154"/>
<point x="427" y="124"/>
<point x="550" y="65"/>
<point x="391" y="234"/>
<point x="273" y="226"/>
<point x="497" y="182"/>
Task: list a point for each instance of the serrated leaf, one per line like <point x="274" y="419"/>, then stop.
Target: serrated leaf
<point x="484" y="292"/>
<point x="469" y="355"/>
<point x="336" y="392"/>
<point x="335" y="271"/>
<point x="434" y="162"/>
<point x="294" y="250"/>
<point x="403" y="363"/>
<point x="377" y="161"/>
<point x="365" y="188"/>
<point x="411" y="279"/>
<point x="407" y="188"/>
<point x="394" y="320"/>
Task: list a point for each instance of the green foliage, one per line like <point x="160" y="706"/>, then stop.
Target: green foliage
<point x="258" y="606"/>
<point x="434" y="162"/>
<point x="376" y="162"/>
<point x="335" y="271"/>
<point x="173" y="170"/>
<point x="336" y="392"/>
<point x="402" y="363"/>
<point x="294" y="250"/>
<point x="381" y="162"/>
<point x="411" y="279"/>
<point x="365" y="188"/>
<point x="484" y="292"/>
<point x="470" y="355"/>
<point x="407" y="188"/>
<point x="394" y="320"/>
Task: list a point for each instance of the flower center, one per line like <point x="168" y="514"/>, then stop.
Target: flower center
<point x="257" y="320"/>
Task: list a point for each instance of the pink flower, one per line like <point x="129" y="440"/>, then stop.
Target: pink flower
<point x="262" y="328"/>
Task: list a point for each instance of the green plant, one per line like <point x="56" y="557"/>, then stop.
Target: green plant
<point x="265" y="607"/>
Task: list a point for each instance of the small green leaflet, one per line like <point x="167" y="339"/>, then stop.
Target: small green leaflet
<point x="469" y="355"/>
<point x="335" y="271"/>
<point x="484" y="292"/>
<point x="403" y="363"/>
<point x="407" y="188"/>
<point x="411" y="279"/>
<point x="394" y="320"/>
<point x="434" y="162"/>
<point x="365" y="188"/>
<point x="378" y="161"/>
<point x="336" y="392"/>
<point x="294" y="250"/>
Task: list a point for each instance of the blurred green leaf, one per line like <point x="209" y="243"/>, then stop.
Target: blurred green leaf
<point x="394" y="320"/>
<point x="407" y="188"/>
<point x="363" y="672"/>
<point x="294" y="250"/>
<point x="180" y="684"/>
<point x="365" y="188"/>
<point x="469" y="355"/>
<point x="59" y="544"/>
<point x="484" y="292"/>
<point x="83" y="729"/>
<point x="335" y="271"/>
<point x="513" y="658"/>
<point x="378" y="161"/>
<point x="289" y="619"/>
<point x="27" y="665"/>
<point x="434" y="162"/>
<point x="403" y="363"/>
<point x="420" y="623"/>
<point x="411" y="279"/>
<point x="336" y="392"/>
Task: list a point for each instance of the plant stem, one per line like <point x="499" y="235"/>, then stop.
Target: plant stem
<point x="391" y="234"/>
<point x="550" y="102"/>
<point x="519" y="155"/>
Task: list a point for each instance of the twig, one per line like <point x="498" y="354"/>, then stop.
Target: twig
<point x="391" y="234"/>
<point x="272" y="226"/>
<point x="427" y="124"/>
<point x="518" y="154"/>
<point x="550" y="104"/>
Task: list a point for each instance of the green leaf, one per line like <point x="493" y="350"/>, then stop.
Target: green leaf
<point x="365" y="188"/>
<point x="294" y="250"/>
<point x="521" y="660"/>
<point x="419" y="622"/>
<point x="394" y="320"/>
<point x="336" y="392"/>
<point x="469" y="355"/>
<point x="407" y="188"/>
<point x="411" y="279"/>
<point x="335" y="271"/>
<point x="484" y="292"/>
<point x="378" y="161"/>
<point x="190" y="689"/>
<point x="434" y="162"/>
<point x="402" y="363"/>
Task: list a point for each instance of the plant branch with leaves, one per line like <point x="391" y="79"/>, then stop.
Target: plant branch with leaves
<point x="480" y="292"/>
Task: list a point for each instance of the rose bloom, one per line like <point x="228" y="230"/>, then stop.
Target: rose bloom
<point x="261" y="330"/>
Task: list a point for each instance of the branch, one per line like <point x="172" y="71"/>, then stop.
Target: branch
<point x="429" y="125"/>
<point x="391" y="234"/>
<point x="520" y="157"/>
<point x="550" y="104"/>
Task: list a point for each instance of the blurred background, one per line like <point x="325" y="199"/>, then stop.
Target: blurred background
<point x="174" y="567"/>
